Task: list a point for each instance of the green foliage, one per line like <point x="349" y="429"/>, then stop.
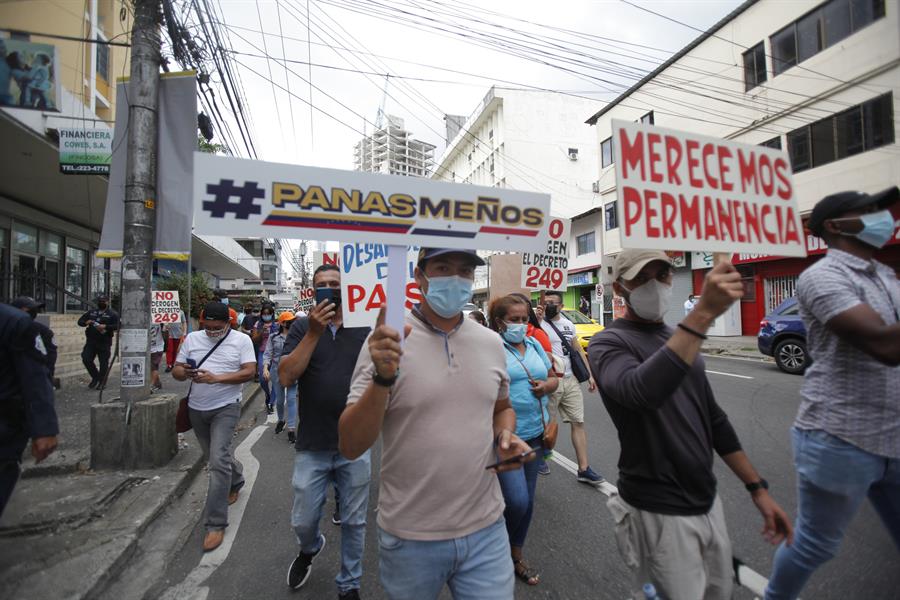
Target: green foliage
<point x="201" y="293"/>
<point x="209" y="147"/>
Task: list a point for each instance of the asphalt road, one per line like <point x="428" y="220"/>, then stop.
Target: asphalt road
<point x="571" y="539"/>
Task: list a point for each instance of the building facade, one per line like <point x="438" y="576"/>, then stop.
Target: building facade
<point x="392" y="150"/>
<point x="817" y="79"/>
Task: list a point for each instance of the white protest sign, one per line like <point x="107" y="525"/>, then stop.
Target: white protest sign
<point x="683" y="191"/>
<point x="548" y="269"/>
<point x="306" y="299"/>
<point x="364" y="276"/>
<point x="325" y="258"/>
<point x="239" y="197"/>
<point x="165" y="307"/>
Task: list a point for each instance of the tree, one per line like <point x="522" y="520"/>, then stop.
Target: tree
<point x="200" y="290"/>
<point x="210" y="147"/>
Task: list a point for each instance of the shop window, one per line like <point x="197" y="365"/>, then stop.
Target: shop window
<point x="606" y="152"/>
<point x="25" y="238"/>
<point x="76" y="271"/>
<point x="585" y="243"/>
<point x="610" y="216"/>
<point x="51" y="245"/>
<point x="754" y="66"/>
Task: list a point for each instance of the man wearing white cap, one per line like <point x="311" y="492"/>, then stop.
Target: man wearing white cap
<point x="669" y="522"/>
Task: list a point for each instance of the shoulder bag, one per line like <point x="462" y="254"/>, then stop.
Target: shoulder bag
<point x="579" y="369"/>
<point x="551" y="430"/>
<point x="182" y="417"/>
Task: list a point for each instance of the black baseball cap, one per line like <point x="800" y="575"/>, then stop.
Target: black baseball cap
<point x="426" y="254"/>
<point x="27" y="302"/>
<point x="103" y="297"/>
<point x="835" y="205"/>
<point x="220" y="294"/>
<point x="215" y="311"/>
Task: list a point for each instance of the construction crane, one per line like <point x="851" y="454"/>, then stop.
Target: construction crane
<point x="379" y="118"/>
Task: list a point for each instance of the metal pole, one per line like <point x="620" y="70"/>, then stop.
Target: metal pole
<point x="140" y="187"/>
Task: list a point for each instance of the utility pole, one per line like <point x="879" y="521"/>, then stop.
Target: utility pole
<point x="138" y="431"/>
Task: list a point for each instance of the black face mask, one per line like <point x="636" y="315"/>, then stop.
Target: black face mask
<point x="33" y="314"/>
<point x="551" y="310"/>
<point x="102" y="305"/>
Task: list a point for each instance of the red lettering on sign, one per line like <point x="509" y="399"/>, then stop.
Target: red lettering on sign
<point x="724" y="153"/>
<point x="709" y="219"/>
<point x="764" y="213"/>
<point x="766" y="174"/>
<point x="669" y="214"/>
<point x="632" y="153"/>
<point x="652" y="140"/>
<point x="357" y="293"/>
<point x="556" y="228"/>
<point x="673" y="159"/>
<point x="631" y="207"/>
<point x="650" y="209"/>
<point x="690" y="216"/>
<point x="708" y="151"/>
<point x="747" y="167"/>
<point x="693" y="162"/>
<point x="785" y="190"/>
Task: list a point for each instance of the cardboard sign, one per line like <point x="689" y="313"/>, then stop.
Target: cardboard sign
<point x="548" y="269"/>
<point x="306" y="299"/>
<point x="364" y="282"/>
<point x="325" y="258"/>
<point x="165" y="307"/>
<point x="683" y="191"/>
<point x="239" y="197"/>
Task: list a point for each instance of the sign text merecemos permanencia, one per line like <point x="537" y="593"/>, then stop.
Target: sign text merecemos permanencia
<point x="683" y="191"/>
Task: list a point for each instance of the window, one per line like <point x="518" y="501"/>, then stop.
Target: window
<point x="584" y="243"/>
<point x="102" y="60"/>
<point x="648" y="118"/>
<point x="606" y="152"/>
<point x="775" y="142"/>
<point x="25" y="238"/>
<point x="51" y="245"/>
<point x="857" y="129"/>
<point x="609" y="216"/>
<point x="822" y="28"/>
<point x="754" y="66"/>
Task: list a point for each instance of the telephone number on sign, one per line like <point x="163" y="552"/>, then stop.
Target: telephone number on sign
<point x="546" y="278"/>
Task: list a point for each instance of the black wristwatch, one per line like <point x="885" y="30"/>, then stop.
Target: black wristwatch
<point x="383" y="381"/>
<point x="762" y="484"/>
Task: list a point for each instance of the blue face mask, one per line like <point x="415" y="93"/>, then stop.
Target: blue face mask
<point x="447" y="295"/>
<point x="267" y="318"/>
<point x="878" y="228"/>
<point x="225" y="301"/>
<point x="515" y="332"/>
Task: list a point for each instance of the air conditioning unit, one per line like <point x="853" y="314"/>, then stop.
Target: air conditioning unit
<point x="595" y="187"/>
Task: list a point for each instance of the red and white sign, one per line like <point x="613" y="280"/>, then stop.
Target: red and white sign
<point x="325" y="258"/>
<point x="683" y="191"/>
<point x="548" y="270"/>
<point x="364" y="282"/>
<point x="165" y="307"/>
<point x="306" y="299"/>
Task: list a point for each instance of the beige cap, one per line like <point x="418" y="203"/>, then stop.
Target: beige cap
<point x="630" y="262"/>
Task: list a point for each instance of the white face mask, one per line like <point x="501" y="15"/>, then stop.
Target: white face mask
<point x="651" y="300"/>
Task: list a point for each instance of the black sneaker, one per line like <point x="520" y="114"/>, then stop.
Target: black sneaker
<point x="589" y="477"/>
<point x="351" y="595"/>
<point x="269" y="409"/>
<point x="302" y="567"/>
<point x="336" y="517"/>
<point x="292" y="437"/>
<point x="93" y="383"/>
<point x="279" y="427"/>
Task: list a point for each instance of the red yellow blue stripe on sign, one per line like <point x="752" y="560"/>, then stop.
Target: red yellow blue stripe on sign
<point x="287" y="218"/>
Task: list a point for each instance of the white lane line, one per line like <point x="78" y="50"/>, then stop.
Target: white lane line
<point x="745" y="576"/>
<point x="729" y="374"/>
<point x="190" y="588"/>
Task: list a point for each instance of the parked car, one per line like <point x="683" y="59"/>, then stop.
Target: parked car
<point x="585" y="327"/>
<point x="782" y="335"/>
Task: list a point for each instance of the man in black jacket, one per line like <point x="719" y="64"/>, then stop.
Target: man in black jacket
<point x="32" y="307"/>
<point x="100" y="323"/>
<point x="26" y="398"/>
<point x="670" y="527"/>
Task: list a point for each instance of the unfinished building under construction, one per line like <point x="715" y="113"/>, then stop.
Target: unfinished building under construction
<point x="392" y="150"/>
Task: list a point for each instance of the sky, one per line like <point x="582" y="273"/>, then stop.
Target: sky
<point x="458" y="71"/>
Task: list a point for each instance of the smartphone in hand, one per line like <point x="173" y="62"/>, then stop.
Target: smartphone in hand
<point x="512" y="459"/>
<point x="333" y="295"/>
<point x="190" y="366"/>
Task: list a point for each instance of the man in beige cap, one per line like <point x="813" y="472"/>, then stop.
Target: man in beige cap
<point x="669" y="523"/>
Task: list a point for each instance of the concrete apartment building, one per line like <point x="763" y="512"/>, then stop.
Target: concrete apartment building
<point x="535" y="141"/>
<point x="392" y="150"/>
<point x="817" y="79"/>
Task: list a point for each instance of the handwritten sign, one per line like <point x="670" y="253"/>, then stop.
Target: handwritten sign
<point x="325" y="258"/>
<point x="683" y="191"/>
<point x="364" y="270"/>
<point x="306" y="299"/>
<point x="548" y="269"/>
<point x="165" y="307"/>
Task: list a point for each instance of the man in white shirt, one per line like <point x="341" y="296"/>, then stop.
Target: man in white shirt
<point x="568" y="399"/>
<point x="218" y="361"/>
<point x="689" y="304"/>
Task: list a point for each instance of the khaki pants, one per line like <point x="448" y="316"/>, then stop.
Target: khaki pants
<point x="568" y="400"/>
<point x="686" y="558"/>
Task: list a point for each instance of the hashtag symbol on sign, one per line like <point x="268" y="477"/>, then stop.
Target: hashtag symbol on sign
<point x="225" y="191"/>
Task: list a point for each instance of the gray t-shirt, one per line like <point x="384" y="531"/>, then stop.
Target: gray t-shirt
<point x="846" y="392"/>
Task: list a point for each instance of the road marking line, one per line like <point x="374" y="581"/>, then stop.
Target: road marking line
<point x="729" y="374"/>
<point x="744" y="575"/>
<point x="190" y="588"/>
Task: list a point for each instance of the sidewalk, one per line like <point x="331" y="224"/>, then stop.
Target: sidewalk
<point x="741" y="346"/>
<point x="68" y="531"/>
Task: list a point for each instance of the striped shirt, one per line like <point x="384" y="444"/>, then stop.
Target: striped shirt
<point x="846" y="392"/>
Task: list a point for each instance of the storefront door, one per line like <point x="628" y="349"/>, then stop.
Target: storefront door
<point x="25" y="275"/>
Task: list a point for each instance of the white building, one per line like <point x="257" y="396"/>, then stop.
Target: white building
<point x="391" y="149"/>
<point x="818" y="79"/>
<point x="526" y="140"/>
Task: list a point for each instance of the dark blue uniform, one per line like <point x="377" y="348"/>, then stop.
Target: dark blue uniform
<point x="26" y="398"/>
<point x="98" y="344"/>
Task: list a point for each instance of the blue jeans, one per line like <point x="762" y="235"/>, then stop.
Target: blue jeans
<point x="475" y="567"/>
<point x="518" y="493"/>
<point x="282" y="396"/>
<point x="833" y="479"/>
<point x="263" y="384"/>
<point x="312" y="473"/>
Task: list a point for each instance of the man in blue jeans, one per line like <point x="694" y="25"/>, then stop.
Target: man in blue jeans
<point x="847" y="432"/>
<point x="319" y="355"/>
<point x="445" y="416"/>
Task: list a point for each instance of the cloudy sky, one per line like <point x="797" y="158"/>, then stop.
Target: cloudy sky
<point x="437" y="71"/>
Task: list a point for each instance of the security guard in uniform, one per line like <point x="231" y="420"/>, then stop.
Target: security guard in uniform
<point x="26" y="398"/>
<point x="100" y="322"/>
<point x="32" y="307"/>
